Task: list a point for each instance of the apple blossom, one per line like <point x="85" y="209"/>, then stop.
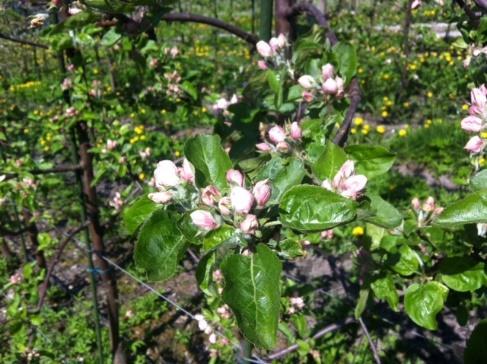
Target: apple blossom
<point x="306" y="81"/>
<point x="416" y="204"/>
<point x="415" y="4"/>
<point x="242" y="200"/>
<point x="249" y="225"/>
<point x="262" y="64"/>
<point x="166" y="174"/>
<point x="429" y="204"/>
<point x="67" y="84"/>
<point x="235" y="177"/>
<point x="262" y="192"/>
<point x="277" y="134"/>
<point x="264" y="49"/>
<point x="283" y="147"/>
<point x="111" y="144"/>
<point x="330" y="87"/>
<point x="341" y="86"/>
<point x="472" y="123"/>
<point x="307" y="96"/>
<point x="296" y="132"/>
<point x="263" y="147"/>
<point x="187" y="172"/>
<point x="204" y="220"/>
<point x="327" y="71"/>
<point x="210" y="195"/>
<point x="161" y="197"/>
<point x="475" y="145"/>
<point x="345" y="182"/>
<point x="327" y="234"/>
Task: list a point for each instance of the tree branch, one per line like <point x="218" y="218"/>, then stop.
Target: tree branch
<point x="194" y="18"/>
<point x="59" y="169"/>
<point x="21" y="41"/>
<point x="54" y="261"/>
<point x="371" y="343"/>
<point x="326" y="330"/>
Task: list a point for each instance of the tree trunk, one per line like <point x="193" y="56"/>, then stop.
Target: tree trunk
<point x="284" y="24"/>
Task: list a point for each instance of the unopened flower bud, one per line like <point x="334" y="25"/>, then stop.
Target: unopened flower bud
<point x="277" y="134"/>
<point x="161" y="197"/>
<point x="330" y="87"/>
<point x="204" y="220"/>
<point x="262" y="192"/>
<point x="249" y="225"/>
<point x="224" y="206"/>
<point x="429" y="204"/>
<point x="327" y="71"/>
<point x="264" y="49"/>
<point x="296" y="132"/>
<point x="187" y="172"/>
<point x="264" y="147"/>
<point x="416" y="204"/>
<point x="306" y="81"/>
<point x="210" y="195"/>
<point x="242" y="200"/>
<point x="283" y="147"/>
<point x="166" y="174"/>
<point x="235" y="177"/>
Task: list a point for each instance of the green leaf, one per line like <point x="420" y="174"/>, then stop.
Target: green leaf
<point x="346" y="58"/>
<point x="470" y="210"/>
<point x="137" y="212"/>
<point x="423" y="302"/>
<point x="273" y="80"/>
<point x="384" y="214"/>
<point x="384" y="289"/>
<point x="217" y="237"/>
<point x="476" y="350"/>
<point x="189" y="88"/>
<point x="110" y="38"/>
<point x="462" y="274"/>
<point x="329" y="162"/>
<point x="308" y="208"/>
<point x="371" y="160"/>
<point x="253" y="293"/>
<point x="160" y="246"/>
<point x="204" y="272"/>
<point x="361" y="303"/>
<point x="479" y="181"/>
<point x="409" y="261"/>
<point x="209" y="159"/>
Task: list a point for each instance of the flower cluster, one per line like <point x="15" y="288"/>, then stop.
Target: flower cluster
<point x="221" y="105"/>
<point x="477" y="119"/>
<point x="329" y="84"/>
<point x="346" y="182"/>
<point x="214" y="207"/>
<point x="273" y="52"/>
<point x="279" y="138"/>
<point x="425" y="211"/>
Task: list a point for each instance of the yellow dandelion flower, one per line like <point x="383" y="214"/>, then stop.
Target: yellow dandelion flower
<point x="403" y="133"/>
<point x="381" y="129"/>
<point x="429" y="94"/>
<point x="358" y="231"/>
<point x="484" y="134"/>
<point x="358" y="120"/>
<point x="465" y="107"/>
<point x="385" y="114"/>
<point x="142" y="176"/>
<point x="353" y="131"/>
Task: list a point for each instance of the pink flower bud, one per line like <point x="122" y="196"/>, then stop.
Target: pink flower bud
<point x="210" y="195"/>
<point x="438" y="210"/>
<point x="262" y="64"/>
<point x="187" y="172"/>
<point x="249" y="225"/>
<point x="327" y="234"/>
<point x="475" y="145"/>
<point x="111" y="144"/>
<point x="327" y="185"/>
<point x="296" y="132"/>
<point x="306" y="81"/>
<point x="415" y="4"/>
<point x="67" y="84"/>
<point x="353" y="186"/>
<point x="161" y="197"/>
<point x="204" y="220"/>
<point x="281" y="40"/>
<point x="327" y="71"/>
<point x="472" y="123"/>
<point x="307" y="96"/>
<point x="235" y="177"/>
<point x="416" y="204"/>
<point x="242" y="200"/>
<point x="283" y="147"/>
<point x="224" y="206"/>
<point x="264" y="147"/>
<point x="277" y="134"/>
<point x="429" y="204"/>
<point x="274" y="43"/>
<point x="330" y="87"/>
<point x="478" y="97"/>
<point x="264" y="49"/>
<point x="166" y="174"/>
<point x="262" y="192"/>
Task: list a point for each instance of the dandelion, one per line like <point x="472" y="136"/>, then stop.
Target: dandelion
<point x="358" y="231"/>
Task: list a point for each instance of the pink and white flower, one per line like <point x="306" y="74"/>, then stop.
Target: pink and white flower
<point x="264" y="49"/>
<point x="262" y="192"/>
<point x="242" y="200"/>
<point x="277" y="134"/>
<point x="235" y="177"/>
<point x="161" y="197"/>
<point x="250" y="224"/>
<point x="475" y="145"/>
<point x="167" y="174"/>
<point x="204" y="220"/>
<point x="346" y="183"/>
<point x="210" y="195"/>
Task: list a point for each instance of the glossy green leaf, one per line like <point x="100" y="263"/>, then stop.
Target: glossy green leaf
<point x="383" y="213"/>
<point x="469" y="210"/>
<point x="137" y="212"/>
<point x="479" y="181"/>
<point x="160" y="246"/>
<point x="476" y="350"/>
<point x="384" y="289"/>
<point x="308" y="208"/>
<point x="329" y="162"/>
<point x="204" y="272"/>
<point x="361" y="303"/>
<point x="409" y="261"/>
<point x="211" y="162"/>
<point x="346" y="58"/>
<point x="252" y="291"/>
<point x="371" y="160"/>
<point x="462" y="274"/>
<point x="217" y="237"/>
<point x="424" y="301"/>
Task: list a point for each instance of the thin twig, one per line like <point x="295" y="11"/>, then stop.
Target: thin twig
<point x="21" y="41"/>
<point x="58" y="169"/>
<point x="369" y="339"/>
<point x="54" y="261"/>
